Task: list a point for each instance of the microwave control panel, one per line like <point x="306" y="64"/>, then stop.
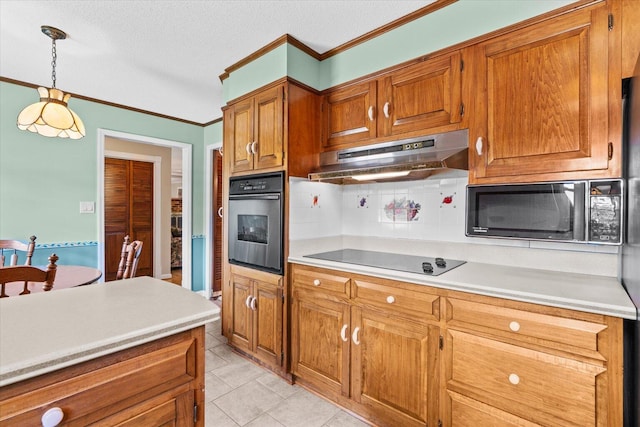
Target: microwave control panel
<point x="605" y="211"/>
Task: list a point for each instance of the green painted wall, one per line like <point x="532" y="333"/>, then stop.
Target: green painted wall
<point x="42" y="180"/>
<point x="453" y="24"/>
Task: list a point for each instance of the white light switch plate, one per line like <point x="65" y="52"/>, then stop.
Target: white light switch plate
<point x="87" y="207"/>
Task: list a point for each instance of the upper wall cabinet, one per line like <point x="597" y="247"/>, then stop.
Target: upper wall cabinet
<point x="258" y="128"/>
<point x="253" y="131"/>
<point x="542" y="102"/>
<point x="412" y="101"/>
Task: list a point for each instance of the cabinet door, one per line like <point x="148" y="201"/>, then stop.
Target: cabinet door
<point x="238" y="135"/>
<point x="394" y="367"/>
<point x="268" y="129"/>
<point x="267" y="322"/>
<point x="421" y="97"/>
<point x="349" y="115"/>
<point x="320" y="342"/>
<point x="542" y="101"/>
<point x="241" y="313"/>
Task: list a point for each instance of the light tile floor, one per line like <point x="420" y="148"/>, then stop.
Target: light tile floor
<point x="240" y="393"/>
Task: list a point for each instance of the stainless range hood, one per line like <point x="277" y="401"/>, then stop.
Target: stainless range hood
<point x="408" y="159"/>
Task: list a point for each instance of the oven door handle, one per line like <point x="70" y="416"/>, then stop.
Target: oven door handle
<point x="269" y="196"/>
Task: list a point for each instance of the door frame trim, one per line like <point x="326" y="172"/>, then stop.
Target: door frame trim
<point x="208" y="195"/>
<point x="186" y="198"/>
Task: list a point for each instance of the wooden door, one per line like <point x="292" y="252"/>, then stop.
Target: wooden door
<point x="267" y="323"/>
<point x="268" y="129"/>
<point x="217" y="199"/>
<point x="320" y="342"/>
<point x="542" y="102"/>
<point x="421" y="97"/>
<point x="349" y="115"/>
<point x="128" y="190"/>
<point x="394" y="367"/>
<point x="241" y="314"/>
<point x="238" y="135"/>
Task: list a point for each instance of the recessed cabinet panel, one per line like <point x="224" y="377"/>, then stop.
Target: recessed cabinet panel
<point x="421" y="97"/>
<point x="320" y="343"/>
<point x="542" y="102"/>
<point x="349" y="115"/>
<point x="393" y="364"/>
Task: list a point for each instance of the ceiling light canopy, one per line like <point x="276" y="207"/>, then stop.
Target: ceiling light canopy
<point x="51" y="116"/>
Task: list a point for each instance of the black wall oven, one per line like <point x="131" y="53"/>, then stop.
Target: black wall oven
<point x="256" y="221"/>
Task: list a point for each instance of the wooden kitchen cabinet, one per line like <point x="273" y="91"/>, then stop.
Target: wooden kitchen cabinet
<point x="542" y="102"/>
<point x="394" y="365"/>
<point x="155" y="384"/>
<point x="514" y="364"/>
<point x="415" y="100"/>
<point x="366" y="353"/>
<point x="254" y="131"/>
<point x="255" y="321"/>
<point x="398" y="353"/>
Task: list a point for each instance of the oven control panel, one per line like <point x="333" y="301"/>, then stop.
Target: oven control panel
<point x="268" y="183"/>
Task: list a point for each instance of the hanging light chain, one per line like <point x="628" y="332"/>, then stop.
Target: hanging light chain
<point x="54" y="56"/>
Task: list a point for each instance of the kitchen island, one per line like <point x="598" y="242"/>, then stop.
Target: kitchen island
<point x="124" y="350"/>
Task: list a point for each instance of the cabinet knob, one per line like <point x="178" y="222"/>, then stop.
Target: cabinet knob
<point x="253" y="147"/>
<point x="248" y="301"/>
<point x="248" y="148"/>
<point x="391" y="299"/>
<point x="52" y="417"/>
<point x="479" y="146"/>
<point x="253" y="303"/>
<point x="385" y="109"/>
<point x="220" y="211"/>
<point x="514" y="379"/>
<point x="343" y="333"/>
<point x="370" y="113"/>
<point x="514" y="326"/>
<point x="354" y="336"/>
<point x="316" y="282"/>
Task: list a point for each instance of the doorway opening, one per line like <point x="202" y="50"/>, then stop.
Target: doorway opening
<point x="161" y="268"/>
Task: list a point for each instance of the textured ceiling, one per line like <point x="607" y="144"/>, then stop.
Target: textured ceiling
<point x="165" y="56"/>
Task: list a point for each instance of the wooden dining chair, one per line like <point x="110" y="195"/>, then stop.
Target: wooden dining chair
<point x="13" y="275"/>
<point x="129" y="259"/>
<point x="15" y="246"/>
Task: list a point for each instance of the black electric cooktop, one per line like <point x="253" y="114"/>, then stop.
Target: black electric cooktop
<point x="408" y="263"/>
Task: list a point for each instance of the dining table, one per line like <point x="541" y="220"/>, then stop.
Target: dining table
<point x="67" y="276"/>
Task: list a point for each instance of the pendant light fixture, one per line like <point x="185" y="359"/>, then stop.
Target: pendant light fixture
<point x="51" y="116"/>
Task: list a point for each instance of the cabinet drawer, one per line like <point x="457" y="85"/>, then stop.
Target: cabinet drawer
<point x="396" y="299"/>
<point x="465" y="412"/>
<point x="109" y="388"/>
<point x="540" y="387"/>
<point x="524" y="325"/>
<point x="320" y="279"/>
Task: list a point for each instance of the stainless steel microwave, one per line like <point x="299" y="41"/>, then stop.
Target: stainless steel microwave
<point x="571" y="211"/>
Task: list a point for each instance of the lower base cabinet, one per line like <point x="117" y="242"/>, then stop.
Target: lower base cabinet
<point x="413" y="355"/>
<point x="254" y="322"/>
<point x="156" y="384"/>
<point x="380" y="363"/>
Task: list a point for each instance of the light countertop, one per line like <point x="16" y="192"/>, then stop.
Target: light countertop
<point x="43" y="332"/>
<point x="583" y="292"/>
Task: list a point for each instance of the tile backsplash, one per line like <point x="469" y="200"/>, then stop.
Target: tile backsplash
<point x="430" y="209"/>
<point x="421" y="215"/>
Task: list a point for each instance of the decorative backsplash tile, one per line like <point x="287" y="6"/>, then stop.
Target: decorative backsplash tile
<point x="401" y="210"/>
<point x="410" y="209"/>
